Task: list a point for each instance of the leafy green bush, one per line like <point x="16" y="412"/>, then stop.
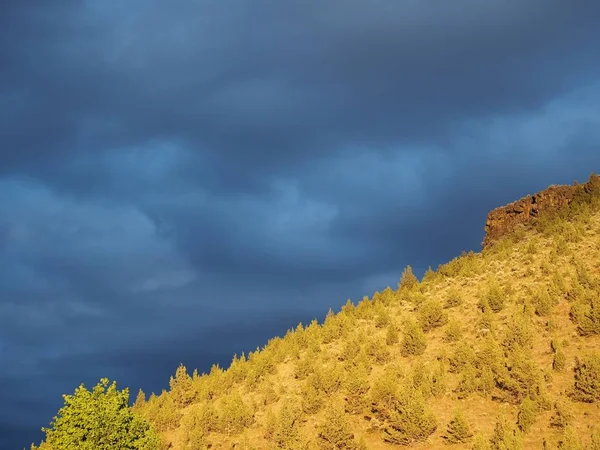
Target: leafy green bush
<point x="99" y="420"/>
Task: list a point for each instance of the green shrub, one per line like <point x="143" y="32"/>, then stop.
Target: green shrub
<point x="334" y="432"/>
<point x="543" y="303"/>
<point x="559" y="361"/>
<point x="453" y="298"/>
<point x="99" y="420"/>
<point x="431" y="315"/>
<point x="234" y="414"/>
<point x="453" y="331"/>
<point x="481" y="443"/>
<point x="506" y="437"/>
<point x="409" y="420"/>
<point x="493" y="297"/>
<point x="391" y="335"/>
<point x="414" y="341"/>
<point x="528" y="410"/>
<point x="458" y="430"/>
<point x="462" y="356"/>
<point x="408" y="280"/>
<point x="587" y="379"/>
<point x="570" y="440"/>
<point x="562" y="416"/>
<point x="589" y="322"/>
<point x="355" y="389"/>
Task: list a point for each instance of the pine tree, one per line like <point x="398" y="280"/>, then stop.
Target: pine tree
<point x="481" y="443"/>
<point x="356" y="387"/>
<point x="334" y="431"/>
<point x="589" y="324"/>
<point x="270" y="424"/>
<point x="527" y="414"/>
<point x="458" y="430"/>
<point x="391" y="336"/>
<point x="287" y="434"/>
<point x="505" y="437"/>
<point x="235" y="415"/>
<point x="408" y="280"/>
<point x="140" y="400"/>
<point x="431" y="315"/>
<point x="587" y="379"/>
<point x="414" y="342"/>
<point x="453" y="331"/>
<point x="311" y="401"/>
<point x="570" y="440"/>
<point x="181" y="387"/>
<point x="559" y="361"/>
<point x="562" y="416"/>
<point x="409" y="420"/>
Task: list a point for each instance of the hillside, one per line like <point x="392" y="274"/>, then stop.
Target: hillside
<point x="493" y="350"/>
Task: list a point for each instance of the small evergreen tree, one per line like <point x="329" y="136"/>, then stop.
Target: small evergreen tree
<point x="494" y="297"/>
<point x="505" y="437"/>
<point x="453" y="298"/>
<point x="409" y="420"/>
<point x="587" y="379"/>
<point x="356" y="387"/>
<point x="181" y="388"/>
<point x="562" y="416"/>
<point x="286" y="435"/>
<point x="453" y="331"/>
<point x="559" y="361"/>
<point x="589" y="323"/>
<point x="570" y="440"/>
<point x="431" y="315"/>
<point x="311" y="401"/>
<point x="140" y="400"/>
<point x="458" y="430"/>
<point x="527" y="414"/>
<point x="414" y="342"/>
<point x="481" y="443"/>
<point x="391" y="335"/>
<point x="234" y="414"/>
<point x="334" y="431"/>
<point x="408" y="280"/>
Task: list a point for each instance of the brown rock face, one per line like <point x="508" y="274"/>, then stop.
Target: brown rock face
<point x="502" y="220"/>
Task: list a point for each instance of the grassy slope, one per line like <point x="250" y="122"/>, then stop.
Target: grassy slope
<point x="524" y="261"/>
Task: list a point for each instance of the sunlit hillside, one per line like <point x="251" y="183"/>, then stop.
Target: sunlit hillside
<point x="493" y="350"/>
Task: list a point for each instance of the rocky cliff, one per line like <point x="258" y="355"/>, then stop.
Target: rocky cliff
<point x="504" y="219"/>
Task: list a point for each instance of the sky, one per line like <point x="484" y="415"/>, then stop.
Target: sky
<point x="181" y="181"/>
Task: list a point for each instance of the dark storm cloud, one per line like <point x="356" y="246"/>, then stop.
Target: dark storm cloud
<point x="167" y="170"/>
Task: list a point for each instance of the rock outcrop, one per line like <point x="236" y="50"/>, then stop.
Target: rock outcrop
<point x="503" y="220"/>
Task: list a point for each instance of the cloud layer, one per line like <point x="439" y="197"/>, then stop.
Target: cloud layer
<point x="177" y="175"/>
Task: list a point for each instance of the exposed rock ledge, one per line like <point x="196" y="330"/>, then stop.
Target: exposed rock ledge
<point x="503" y="220"/>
